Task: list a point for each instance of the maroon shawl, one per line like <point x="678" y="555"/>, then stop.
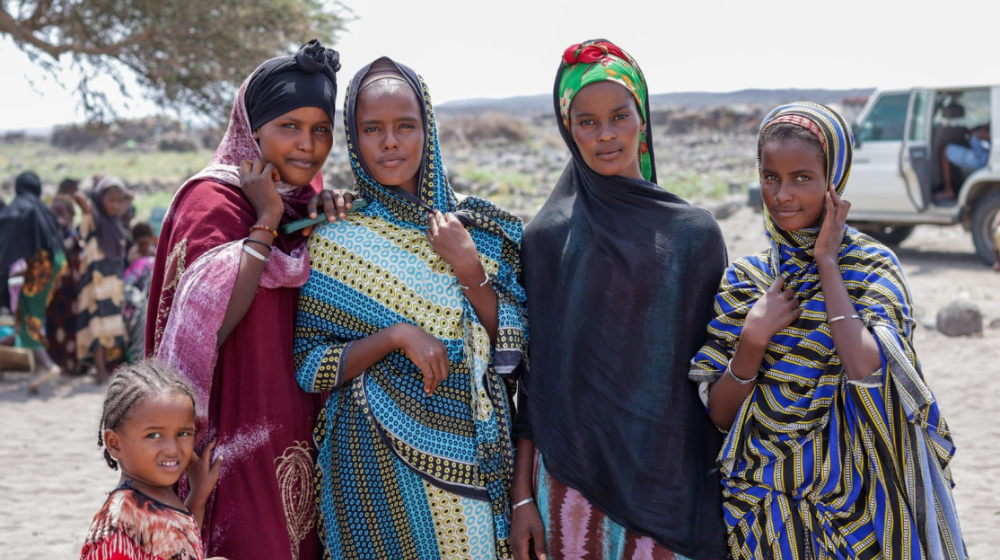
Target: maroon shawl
<point x="247" y="396"/>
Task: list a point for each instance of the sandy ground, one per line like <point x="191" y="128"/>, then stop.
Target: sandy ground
<point x="53" y="479"/>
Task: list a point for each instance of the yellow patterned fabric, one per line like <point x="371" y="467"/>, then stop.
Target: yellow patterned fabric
<point x="388" y="452"/>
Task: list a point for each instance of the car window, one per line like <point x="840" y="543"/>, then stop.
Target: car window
<point x="974" y="107"/>
<point x="887" y="119"/>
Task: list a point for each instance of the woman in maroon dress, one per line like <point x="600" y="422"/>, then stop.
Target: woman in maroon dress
<point x="223" y="299"/>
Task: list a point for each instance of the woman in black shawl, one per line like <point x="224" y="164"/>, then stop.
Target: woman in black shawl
<point x="30" y="231"/>
<point x="615" y="454"/>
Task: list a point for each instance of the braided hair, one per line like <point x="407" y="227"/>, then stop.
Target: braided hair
<point x="130" y="385"/>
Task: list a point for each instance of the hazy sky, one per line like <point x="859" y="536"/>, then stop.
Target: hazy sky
<point x="473" y="48"/>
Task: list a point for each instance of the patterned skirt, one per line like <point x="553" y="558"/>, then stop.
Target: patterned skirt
<point x="372" y="505"/>
<point x="100" y="303"/>
<point x="60" y="317"/>
<point x="44" y="270"/>
<point x="575" y="529"/>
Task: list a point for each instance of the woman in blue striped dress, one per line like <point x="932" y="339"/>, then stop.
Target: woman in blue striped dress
<point x="836" y="447"/>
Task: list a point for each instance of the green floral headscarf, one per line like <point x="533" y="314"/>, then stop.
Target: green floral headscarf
<point x="599" y="61"/>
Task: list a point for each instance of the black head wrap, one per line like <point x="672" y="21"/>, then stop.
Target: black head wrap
<point x="28" y="182"/>
<point x="286" y="83"/>
<point x="27" y="226"/>
<point x="110" y="231"/>
<point x="621" y="276"/>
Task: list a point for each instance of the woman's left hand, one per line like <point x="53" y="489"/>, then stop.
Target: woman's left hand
<point x="336" y="203"/>
<point x="831" y="232"/>
<point x="452" y="241"/>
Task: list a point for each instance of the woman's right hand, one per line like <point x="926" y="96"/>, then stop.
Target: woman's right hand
<point x="426" y="351"/>
<point x="257" y="180"/>
<point x="778" y="309"/>
<point x="527" y="534"/>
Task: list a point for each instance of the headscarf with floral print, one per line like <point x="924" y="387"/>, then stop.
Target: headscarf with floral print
<point x="602" y="61"/>
<point x="651" y="262"/>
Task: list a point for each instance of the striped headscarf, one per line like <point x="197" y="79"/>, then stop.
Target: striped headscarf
<point x="837" y="140"/>
<point x="805" y="430"/>
<point x="602" y="61"/>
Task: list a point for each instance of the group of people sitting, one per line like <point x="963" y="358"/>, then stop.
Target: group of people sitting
<point x="75" y="290"/>
<point x="421" y="377"/>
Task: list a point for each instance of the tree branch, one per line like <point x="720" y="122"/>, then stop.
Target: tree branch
<point x="23" y="32"/>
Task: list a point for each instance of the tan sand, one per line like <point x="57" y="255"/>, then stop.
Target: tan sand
<point x="53" y="479"/>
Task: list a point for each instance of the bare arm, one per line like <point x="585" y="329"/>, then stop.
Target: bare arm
<point x="527" y="533"/>
<point x="203" y="476"/>
<point x="82" y="202"/>
<point x="855" y="345"/>
<point x="726" y="395"/>
<point x="450" y="239"/>
<point x="247" y="280"/>
<point x="257" y="179"/>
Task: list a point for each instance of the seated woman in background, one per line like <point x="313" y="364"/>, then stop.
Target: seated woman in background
<point x="413" y="319"/>
<point x="836" y="447"/>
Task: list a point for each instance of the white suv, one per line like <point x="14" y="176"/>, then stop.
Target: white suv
<point x="897" y="178"/>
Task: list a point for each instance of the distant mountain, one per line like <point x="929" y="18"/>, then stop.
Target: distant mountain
<point x="533" y="104"/>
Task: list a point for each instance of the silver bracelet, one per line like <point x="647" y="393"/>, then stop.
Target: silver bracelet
<point x="739" y="380"/>
<point x="841" y="318"/>
<point x="253" y="253"/>
<point x="481" y="284"/>
<point x="521" y="503"/>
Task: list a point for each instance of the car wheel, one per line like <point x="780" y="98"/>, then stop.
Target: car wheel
<point x="982" y="218"/>
<point x="886" y="233"/>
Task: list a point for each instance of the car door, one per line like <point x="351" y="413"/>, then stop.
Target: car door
<point x="917" y="160"/>
<point x="877" y="183"/>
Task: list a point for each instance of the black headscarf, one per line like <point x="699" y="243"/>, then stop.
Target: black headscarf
<point x="27" y="226"/>
<point x="110" y="231"/>
<point x="286" y="83"/>
<point x="621" y="277"/>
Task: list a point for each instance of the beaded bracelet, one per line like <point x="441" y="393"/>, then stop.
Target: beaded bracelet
<point x="841" y="318"/>
<point x="263" y="227"/>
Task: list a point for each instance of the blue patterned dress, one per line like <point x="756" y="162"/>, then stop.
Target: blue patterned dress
<point x="402" y="474"/>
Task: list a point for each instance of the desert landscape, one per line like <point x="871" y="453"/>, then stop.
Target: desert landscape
<point x="54" y="479"/>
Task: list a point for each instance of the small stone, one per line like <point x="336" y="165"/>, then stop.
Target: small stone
<point x="995" y="323"/>
<point x="960" y="318"/>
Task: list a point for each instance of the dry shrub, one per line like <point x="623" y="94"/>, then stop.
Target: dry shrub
<point x="488" y="128"/>
<point x="118" y="134"/>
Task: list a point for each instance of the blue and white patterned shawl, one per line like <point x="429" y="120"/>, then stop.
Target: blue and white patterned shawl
<point x="376" y="269"/>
